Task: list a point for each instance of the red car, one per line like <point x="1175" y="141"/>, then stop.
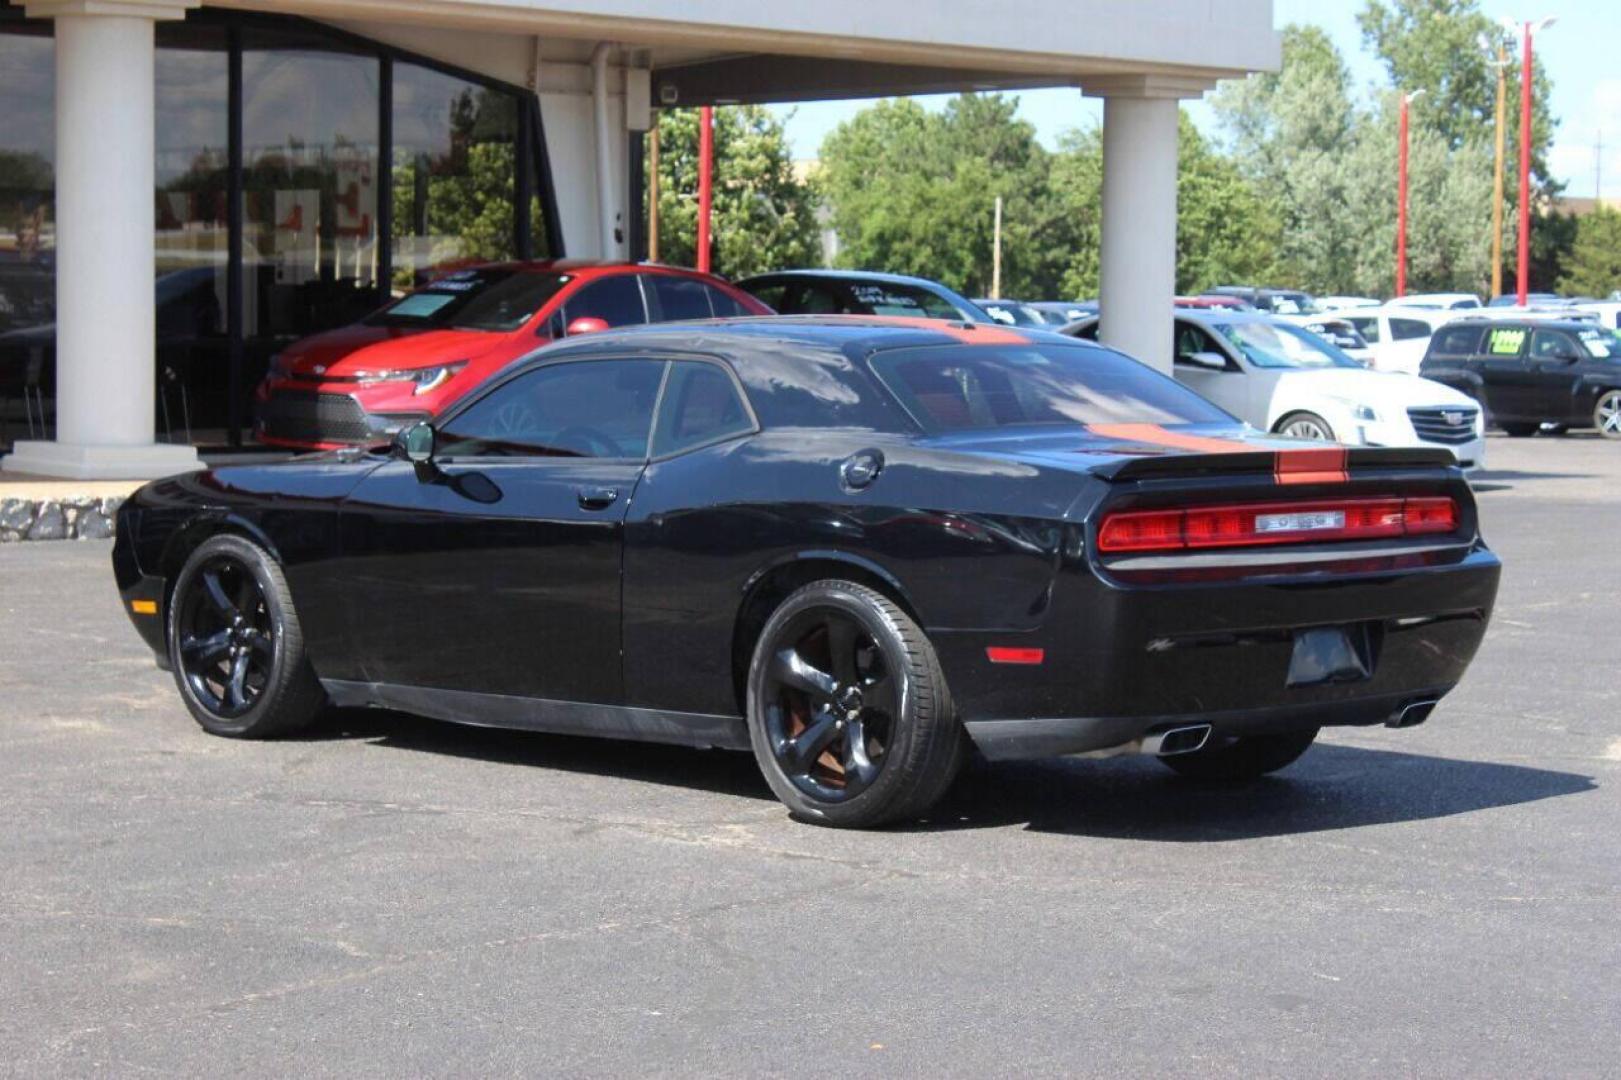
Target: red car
<point x="410" y="360"/>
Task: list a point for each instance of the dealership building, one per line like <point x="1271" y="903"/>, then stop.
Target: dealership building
<point x="186" y="189"/>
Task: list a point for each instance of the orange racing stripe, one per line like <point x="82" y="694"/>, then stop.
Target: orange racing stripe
<point x="1325" y="466"/>
<point x="1153" y="433"/>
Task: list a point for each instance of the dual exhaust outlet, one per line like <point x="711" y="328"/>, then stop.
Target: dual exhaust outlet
<point x="1191" y="737"/>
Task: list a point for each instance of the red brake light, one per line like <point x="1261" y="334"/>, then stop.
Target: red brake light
<point x="1006" y="654"/>
<point x="1253" y="524"/>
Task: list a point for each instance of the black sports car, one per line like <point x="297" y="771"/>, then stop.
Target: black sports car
<point x="855" y="545"/>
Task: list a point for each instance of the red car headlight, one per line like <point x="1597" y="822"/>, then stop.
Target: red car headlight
<point x="427" y="379"/>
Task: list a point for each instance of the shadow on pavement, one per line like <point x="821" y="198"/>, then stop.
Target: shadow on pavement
<point x="1331" y="787"/>
<point x="1505" y="479"/>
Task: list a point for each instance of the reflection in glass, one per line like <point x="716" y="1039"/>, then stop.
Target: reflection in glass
<point x="192" y="239"/>
<point x="454" y="174"/>
<point x="309" y="132"/>
<point x="27" y="235"/>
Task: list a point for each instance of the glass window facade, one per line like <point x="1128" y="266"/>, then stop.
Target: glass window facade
<point x="27" y="232"/>
<point x="293" y="123"/>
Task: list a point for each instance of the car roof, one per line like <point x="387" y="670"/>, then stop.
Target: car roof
<point x="584" y="267"/>
<point x="1532" y="323"/>
<point x="849" y="275"/>
<point x="849" y="334"/>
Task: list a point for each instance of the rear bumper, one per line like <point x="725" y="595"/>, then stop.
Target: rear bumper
<point x="1002" y="740"/>
<point x="1122" y="660"/>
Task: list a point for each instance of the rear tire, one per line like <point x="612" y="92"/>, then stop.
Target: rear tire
<point x="235" y="644"/>
<point x="1305" y="425"/>
<point x="848" y="711"/>
<point x="1244" y="758"/>
<point x="1518" y="430"/>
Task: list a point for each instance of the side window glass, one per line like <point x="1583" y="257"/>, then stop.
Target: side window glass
<point x="1408" y="329"/>
<point x="616" y="300"/>
<point x="1368" y="328"/>
<point x="1505" y="341"/>
<point x="1551" y="345"/>
<point x="1456" y="341"/>
<point x="772" y="296"/>
<point x="725" y="307"/>
<point x="593" y="408"/>
<point x="815" y="300"/>
<point x="700" y="406"/>
<point x="677" y="299"/>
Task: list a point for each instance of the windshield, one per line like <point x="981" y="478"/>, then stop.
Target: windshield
<point x="1280" y="345"/>
<point x="495" y="299"/>
<point x="962" y="388"/>
<point x="1603" y="345"/>
<point x="1293" y="303"/>
<point x="884" y="298"/>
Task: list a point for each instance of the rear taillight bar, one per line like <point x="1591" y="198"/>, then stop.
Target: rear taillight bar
<point x="1254" y="524"/>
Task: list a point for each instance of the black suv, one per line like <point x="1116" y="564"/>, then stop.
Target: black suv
<point x="1532" y="372"/>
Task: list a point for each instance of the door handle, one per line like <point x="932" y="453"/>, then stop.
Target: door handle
<point x="597" y="498"/>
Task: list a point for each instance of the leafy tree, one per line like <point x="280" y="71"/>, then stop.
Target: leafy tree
<point x="913" y="191"/>
<point x="1292" y="131"/>
<point x="764" y="215"/>
<point x="1594" y="264"/>
<point x="1225" y="231"/>
<point x="1434" y="45"/>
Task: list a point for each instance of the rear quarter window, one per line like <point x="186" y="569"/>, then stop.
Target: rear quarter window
<point x="1408" y="329"/>
<point x="1456" y="341"/>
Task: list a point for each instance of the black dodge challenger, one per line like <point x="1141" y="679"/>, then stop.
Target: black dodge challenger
<point x="856" y="546"/>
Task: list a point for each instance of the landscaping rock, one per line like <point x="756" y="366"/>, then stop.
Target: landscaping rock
<point x="50" y="523"/>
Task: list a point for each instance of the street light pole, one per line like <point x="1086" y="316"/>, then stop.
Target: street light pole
<point x="1401" y="194"/>
<point x="1523" y="268"/>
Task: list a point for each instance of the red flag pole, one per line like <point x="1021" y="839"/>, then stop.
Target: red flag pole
<point x="706" y="181"/>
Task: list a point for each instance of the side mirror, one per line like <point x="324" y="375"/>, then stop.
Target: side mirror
<point x="1210" y="361"/>
<point x="417" y="442"/>
<point x="585" y="324"/>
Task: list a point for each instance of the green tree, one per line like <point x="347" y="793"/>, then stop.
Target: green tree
<point x="1292" y="131"/>
<point x="913" y="191"/>
<point x="1593" y="267"/>
<point x="764" y="215"/>
<point x="1225" y="231"/>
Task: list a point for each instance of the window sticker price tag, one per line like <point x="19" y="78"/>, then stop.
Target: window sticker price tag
<point x="1505" y="341"/>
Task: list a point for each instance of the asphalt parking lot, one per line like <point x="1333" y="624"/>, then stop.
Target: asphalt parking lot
<point x="391" y="896"/>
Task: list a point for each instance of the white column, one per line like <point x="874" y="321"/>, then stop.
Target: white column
<point x="105" y="364"/>
<point x="1137" y="263"/>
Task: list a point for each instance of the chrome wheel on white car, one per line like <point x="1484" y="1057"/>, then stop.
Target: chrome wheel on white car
<point x="1305" y="425"/>
<point x="1607" y="414"/>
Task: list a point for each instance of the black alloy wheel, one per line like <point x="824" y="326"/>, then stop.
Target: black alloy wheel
<point x="227" y="644"/>
<point x="235" y="643"/>
<point x="830" y="704"/>
<point x="849" y="714"/>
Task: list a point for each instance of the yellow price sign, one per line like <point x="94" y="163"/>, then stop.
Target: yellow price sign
<point x="1506" y="341"/>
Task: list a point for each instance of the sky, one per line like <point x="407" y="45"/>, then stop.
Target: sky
<point x="1578" y="52"/>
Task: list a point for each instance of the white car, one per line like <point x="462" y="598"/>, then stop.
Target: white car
<point x="1397" y="335"/>
<point x="1278" y="377"/>
<point x="1444" y="301"/>
<point x="1607" y="312"/>
<point x="1341" y="303"/>
<point x="1338" y="331"/>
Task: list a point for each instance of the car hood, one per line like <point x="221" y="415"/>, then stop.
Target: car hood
<point x="351" y="350"/>
<point x="1363" y="387"/>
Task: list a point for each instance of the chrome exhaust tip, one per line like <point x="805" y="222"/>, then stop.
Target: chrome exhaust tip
<point x="1177" y="740"/>
<point x="1412" y="714"/>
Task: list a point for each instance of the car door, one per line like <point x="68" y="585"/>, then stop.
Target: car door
<point x="1228" y="387"/>
<point x="1504" y="374"/>
<point x="1553" y="370"/>
<point x="1408" y="340"/>
<point x="496" y="568"/>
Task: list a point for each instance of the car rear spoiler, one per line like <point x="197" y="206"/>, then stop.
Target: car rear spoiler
<point x="1307" y="465"/>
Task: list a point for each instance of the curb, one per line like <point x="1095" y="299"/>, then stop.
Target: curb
<point x="82" y="518"/>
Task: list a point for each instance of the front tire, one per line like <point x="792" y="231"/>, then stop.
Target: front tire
<point x="236" y="646"/>
<point x="1607" y="414"/>
<point x="1518" y="430"/>
<point x="1246" y="757"/>
<point x="1305" y="425"/>
<point x="848" y="711"/>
